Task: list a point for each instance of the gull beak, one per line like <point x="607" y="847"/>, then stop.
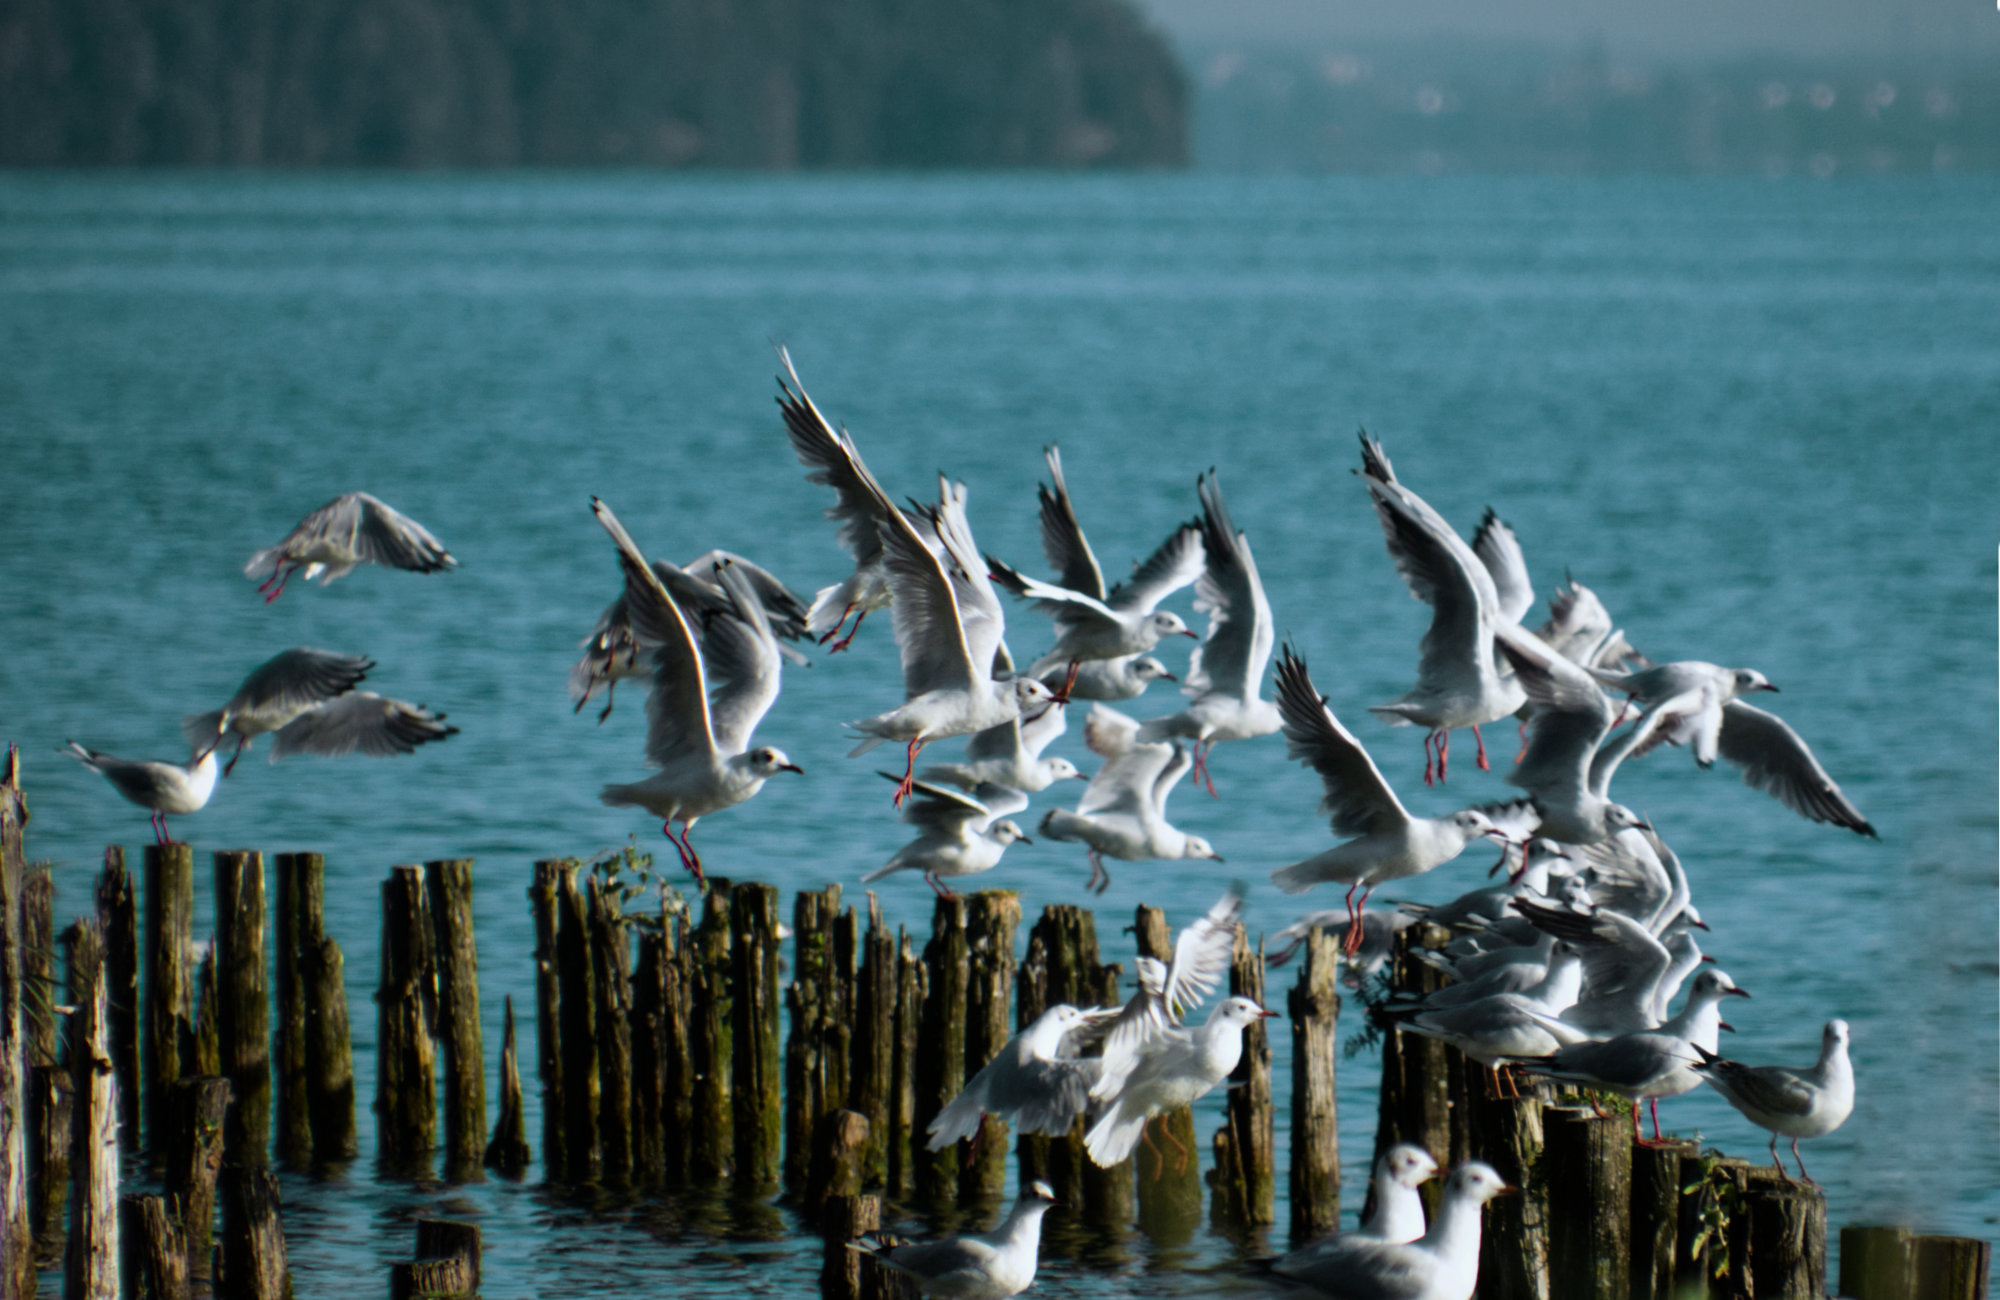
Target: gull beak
<point x="1190" y="632"/>
<point x="1647" y="826"/>
<point x="1266" y="1015"/>
<point x="1022" y="839"/>
<point x="1724" y="1024"/>
<point x="1699" y="925"/>
<point x="1508" y="1189"/>
<point x="1170" y="677"/>
<point x="1768" y="687"/>
<point x="1741" y="993"/>
<point x="791" y="767"/>
<point x="1706" y="957"/>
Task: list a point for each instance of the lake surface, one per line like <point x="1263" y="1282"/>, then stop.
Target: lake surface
<point x="1757" y="417"/>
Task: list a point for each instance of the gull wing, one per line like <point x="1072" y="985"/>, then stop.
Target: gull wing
<point x="782" y="606"/>
<point x="1441" y="571"/>
<point x="939" y="807"/>
<point x="1002" y="741"/>
<point x="1622" y="961"/>
<point x="1232" y="656"/>
<point x="1125" y="784"/>
<point x="1063" y="543"/>
<point x="1357" y="797"/>
<point x="143" y="781"/>
<point x="1571" y="719"/>
<point x="677" y="714"/>
<point x="363" y="722"/>
<point x="1772" y="1089"/>
<point x="979" y="610"/>
<point x="1500" y="551"/>
<point x="1145" y="1020"/>
<point x="740" y="658"/>
<point x="1173" y="565"/>
<point x="1109" y="733"/>
<point x="282" y="687"/>
<point x="830" y="459"/>
<point x="1777" y="761"/>
<point x="1050" y="1094"/>
<point x="1201" y="954"/>
<point x="930" y="634"/>
<point x="387" y="536"/>
<point x="1060" y="603"/>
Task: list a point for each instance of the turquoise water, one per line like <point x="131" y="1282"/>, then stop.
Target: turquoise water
<point x="1757" y="417"/>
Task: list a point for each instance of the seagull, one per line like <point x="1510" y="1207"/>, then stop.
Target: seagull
<point x="1790" y="1103"/>
<point x="1579" y="628"/>
<point x="1388" y="842"/>
<point x="1459" y="683"/>
<point x="1037" y="1081"/>
<point x="1494" y="1029"/>
<point x="1776" y="760"/>
<point x="346" y="531"/>
<point x="613" y="651"/>
<point x="980" y="1265"/>
<point x="859" y="507"/>
<point x="1123" y="678"/>
<point x="1629" y="976"/>
<point x="277" y="691"/>
<point x="1123" y="812"/>
<point x="961" y="833"/>
<point x="1227" y="668"/>
<point x="1379" y="928"/>
<point x="699" y="741"/>
<point x="949" y="627"/>
<point x="1010" y="753"/>
<point x="1095" y="623"/>
<point x="1443" y="1264"/>
<point x="1398" y="1211"/>
<point x="1568" y="766"/>
<point x="363" y="722"/>
<point x="163" y="787"/>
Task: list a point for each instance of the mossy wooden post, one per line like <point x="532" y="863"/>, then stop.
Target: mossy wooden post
<point x="406" y="1054"/>
<point x="814" y="1009"/>
<point x="872" y="1059"/>
<point x="439" y="1239"/>
<point x="205" y="1056"/>
<point x="47" y="1082"/>
<point x="1169" y="1197"/>
<point x="1314" y="1007"/>
<point x="712" y="1149"/>
<point x="544" y="891"/>
<point x="1414" y="1104"/>
<point x="650" y="1060"/>
<point x="1874" y="1262"/>
<point x="449" y="883"/>
<point x="1948" y="1268"/>
<point x="329" y="1050"/>
<point x="17" y="1247"/>
<point x="1698" y="1251"/>
<point x="576" y="1000"/>
<point x="253" y="1238"/>
<point x="1246" y="1146"/>
<point x="1657" y="1178"/>
<point x="1588" y="1169"/>
<point x="297" y="875"/>
<point x="912" y="991"/>
<point x="117" y="912"/>
<point x="507" y="1152"/>
<point x="90" y="1266"/>
<point x="1108" y="1199"/>
<point x="168" y="1042"/>
<point x="852" y="1274"/>
<point x="160" y="1253"/>
<point x="611" y="986"/>
<point x="839" y="1153"/>
<point x="1777" y="1238"/>
<point x="243" y="991"/>
<point x="1506" y="1132"/>
<point x="675" y="1068"/>
<point x="941" y="1062"/>
<point x="993" y="917"/>
<point x="191" y="1152"/>
<point x="759" y="1061"/>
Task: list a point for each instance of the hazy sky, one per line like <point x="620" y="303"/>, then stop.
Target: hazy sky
<point x="1633" y="28"/>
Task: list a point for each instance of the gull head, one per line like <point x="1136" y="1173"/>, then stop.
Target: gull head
<point x="1060" y="769"/>
<point x="1148" y="669"/>
<point x="1238" y="1011"/>
<point x="1835" y="1034"/>
<point x="1007" y="832"/>
<point x="1475" y="823"/>
<point x="1747" y="680"/>
<point x="1039" y="1191"/>
<point x="1478" y="1182"/>
<point x="1408" y="1165"/>
<point x="1032" y="698"/>
<point x="767" y="762"/>
<point x="1618" y="817"/>
<point x="1197" y="847"/>
<point x="1716" y="984"/>
<point x="1167" y="623"/>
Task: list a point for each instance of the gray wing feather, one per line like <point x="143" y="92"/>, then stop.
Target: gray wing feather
<point x="831" y="459"/>
<point x="1777" y="761"/>
<point x="1500" y="551"/>
<point x="1232" y="656"/>
<point x="742" y="664"/>
<point x="1063" y="542"/>
<point x="388" y="536"/>
<point x="1357" y="797"/>
<point x="1175" y="564"/>
<point x="361" y="722"/>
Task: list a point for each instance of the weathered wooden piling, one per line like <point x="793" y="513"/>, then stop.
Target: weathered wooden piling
<point x="839" y="1160"/>
<point x="872" y="1053"/>
<point x="17" y="1250"/>
<point x="507" y="1153"/>
<point x="1314" y="1007"/>
<point x="1169" y="1193"/>
<point x="847" y="1274"/>
<point x="167" y="1044"/>
<point x="205" y="1054"/>
<point x="297" y="874"/>
<point x="1245" y="1177"/>
<point x="254" y="1266"/>
<point x="992" y="917"/>
<point x="1948" y="1268"/>
<point x="818" y="1005"/>
<point x="117" y="912"/>
<point x="90" y="1267"/>
<point x="157" y="1252"/>
<point x="712" y="1150"/>
<point x="611" y="986"/>
<point x="941" y="1063"/>
<point x="912" y="991"/>
<point x="446" y="1266"/>
<point x="243" y="992"/>
<point x="406" y="1054"/>
<point x="1656" y="1197"/>
<point x="576" y="1000"/>
<point x="1588" y="1169"/>
<point x="191" y="1153"/>
<point x="47" y="1081"/>
<point x="451" y="1239"/>
<point x="1776" y="1236"/>
<point x="759" y="1062"/>
<point x="1504" y="1128"/>
<point x="329" y="1049"/>
<point x="449" y="883"/>
<point x="1893" y="1263"/>
<point x="544" y="891"/>
<point x="1414" y="1104"/>
<point x="662" y="1061"/>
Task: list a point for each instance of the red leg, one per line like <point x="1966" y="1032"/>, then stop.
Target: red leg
<point x="1524" y="744"/>
<point x="1100" y="879"/>
<point x="1069" y="682"/>
<point x="279" y="590"/>
<point x="852" y="632"/>
<point x="908" y="782"/>
<point x="1444" y="754"/>
<point x="1481" y="742"/>
<point x="834" y="631"/>
<point x="1354" y="929"/>
<point x="1653" y="1105"/>
<point x="1201" y="752"/>
<point x="1180" y="1152"/>
<point x="1430" y="764"/>
<point x="1795" y="1155"/>
<point x="230" y="766"/>
<point x="609" y="693"/>
<point x="938" y="887"/>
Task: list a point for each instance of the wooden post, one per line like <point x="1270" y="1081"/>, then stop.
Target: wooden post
<point x="1874" y="1262"/>
<point x="299" y="876"/>
<point x="1781" y="1238"/>
<point x="816" y="1044"/>
<point x="405" y="1054"/>
<point x="430" y="1279"/>
<point x="662" y="1071"/>
<point x="941" y="1061"/>
<point x="49" y="1137"/>
<point x="449" y="882"/>
<point x="168" y="1043"/>
<point x="17" y="1247"/>
<point x="242" y="987"/>
<point x="912" y="992"/>
<point x="253" y="1239"/>
<point x="754" y="955"/>
<point x="544" y="890"/>
<point x="1107" y="1193"/>
<point x="873" y="1061"/>
<point x="991" y="921"/>
<point x="1414" y="1104"/>
<point x="191" y="1150"/>
<point x="206" y="1054"/>
<point x="117" y="912"/>
<point x="1657" y="1179"/>
<point x="851" y="1274"/>
<point x="1246" y="1146"/>
<point x="711" y="1150"/>
<point x="507" y="1154"/>
<point x="90" y="1268"/>
<point x="160" y="1253"/>
<point x="1061" y="966"/>
<point x="1507" y="1133"/>
<point x="449" y="1239"/>
<point x="1588" y="1170"/>
<point x="1697" y="1272"/>
<point x="840" y="1148"/>
<point x="611" y="985"/>
<point x="577" y="999"/>
<point x="1314" y="1007"/>
<point x="329" y="1047"/>
<point x="1169" y="1197"/>
<point x="1946" y="1268"/>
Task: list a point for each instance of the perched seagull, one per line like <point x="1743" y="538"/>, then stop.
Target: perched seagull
<point x="613" y="652"/>
<point x="1568" y="765"/>
<point x="1388" y="842"/>
<point x="1494" y="1029"/>
<point x="1010" y="753"/>
<point x="1398" y="1211"/>
<point x="1651" y="1064"/>
<point x="1443" y="1264"/>
<point x="1630" y="977"/>
<point x="1123" y="678"/>
<point x="1459" y="681"/>
<point x="1037" y="1081"/>
<point x="346" y="531"/>
<point x="859" y="506"/>
<point x="978" y="1266"/>
<point x="1790" y="1103"/>
<point x="277" y="691"/>
<point x="163" y="787"/>
<point x="1095" y="623"/>
<point x="699" y="741"/>
<point x="1226" y="670"/>
<point x="949" y="627"/>
<point x="961" y="833"/>
<point x="1123" y="812"/>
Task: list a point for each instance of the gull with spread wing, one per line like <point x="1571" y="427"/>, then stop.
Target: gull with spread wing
<point x="1123" y="812"/>
<point x="307" y="697"/>
<point x="1011" y="753"/>
<point x="709" y="694"/>
<point x="1036" y="1082"/>
<point x="1568" y="765"/>
<point x="960" y="832"/>
<point x="347" y="531"/>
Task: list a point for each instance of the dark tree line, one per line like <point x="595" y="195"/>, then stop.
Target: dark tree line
<point x="493" y="83"/>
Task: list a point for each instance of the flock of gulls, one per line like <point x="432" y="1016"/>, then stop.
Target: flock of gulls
<point x="1567" y="967"/>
